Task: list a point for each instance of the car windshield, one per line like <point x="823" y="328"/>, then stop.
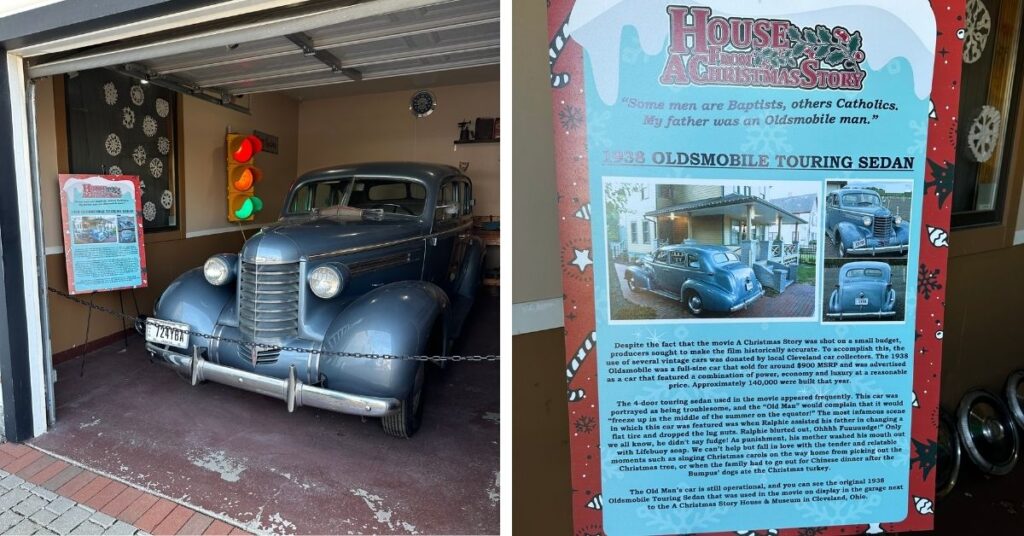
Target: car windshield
<point x="871" y="273"/>
<point x="385" y="195"/>
<point x="863" y="199"/>
<point x="727" y="257"/>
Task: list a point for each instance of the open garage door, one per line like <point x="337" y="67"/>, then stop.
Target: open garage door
<point x="332" y="82"/>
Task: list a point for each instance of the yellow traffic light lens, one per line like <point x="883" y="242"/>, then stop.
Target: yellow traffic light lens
<point x="245" y="211"/>
<point x="244" y="180"/>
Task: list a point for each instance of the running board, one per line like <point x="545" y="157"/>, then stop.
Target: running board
<point x="667" y="294"/>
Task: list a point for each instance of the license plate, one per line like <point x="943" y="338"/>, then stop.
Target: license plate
<point x="170" y="333"/>
<point x="860" y="301"/>
<point x="750" y="286"/>
<point x="859" y="243"/>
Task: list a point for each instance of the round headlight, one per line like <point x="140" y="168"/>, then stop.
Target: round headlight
<point x="326" y="281"/>
<point x="898" y="220"/>
<point x="867" y="220"/>
<point x="217" y="271"/>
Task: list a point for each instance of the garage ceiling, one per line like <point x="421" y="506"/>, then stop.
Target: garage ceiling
<point x="312" y="44"/>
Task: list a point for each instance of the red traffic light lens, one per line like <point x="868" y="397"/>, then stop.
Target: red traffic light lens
<point x="242" y="151"/>
<point x="257" y="144"/>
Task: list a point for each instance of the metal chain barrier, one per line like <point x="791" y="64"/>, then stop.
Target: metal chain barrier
<point x="139" y="323"/>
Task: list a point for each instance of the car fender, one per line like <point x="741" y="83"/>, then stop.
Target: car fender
<point x="470" y="273"/>
<point x="397" y="319"/>
<point x="890" y="301"/>
<point x="833" y="302"/>
<point x="715" y="299"/>
<point x="639" y="275"/>
<point x="192" y="300"/>
<point x="902" y="232"/>
<point x="849" y="233"/>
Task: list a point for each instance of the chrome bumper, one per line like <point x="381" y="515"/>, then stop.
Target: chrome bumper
<point x="747" y="303"/>
<point x="861" y="315"/>
<point x="292" y="391"/>
<point x="901" y="249"/>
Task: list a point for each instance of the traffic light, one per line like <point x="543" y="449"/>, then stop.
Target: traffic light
<point x="243" y="204"/>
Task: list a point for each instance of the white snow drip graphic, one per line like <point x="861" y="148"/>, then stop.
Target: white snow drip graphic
<point x="137" y="95"/>
<point x="139" y="155"/>
<point x="112" y="144"/>
<point x="156" y="168"/>
<point x="383" y="515"/>
<point x="163" y="145"/>
<point x="114" y="170"/>
<point x="218" y="462"/>
<point x="166" y="199"/>
<point x="162" y="107"/>
<point x="597" y="25"/>
<point x="127" y="117"/>
<point x="979" y="27"/>
<point x="149" y="211"/>
<point x="110" y="93"/>
<point x="149" y="126"/>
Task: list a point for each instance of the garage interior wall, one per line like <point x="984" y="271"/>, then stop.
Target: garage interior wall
<point x="983" y="297"/>
<point x="379" y="126"/>
<point x="311" y="134"/>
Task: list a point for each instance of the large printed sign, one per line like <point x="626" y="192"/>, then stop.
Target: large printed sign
<point x="103" y="243"/>
<point x="754" y="204"/>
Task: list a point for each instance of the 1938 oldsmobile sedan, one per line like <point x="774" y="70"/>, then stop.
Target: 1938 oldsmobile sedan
<point x="704" y="277"/>
<point x="372" y="259"/>
<point x="864" y="291"/>
<point x="858" y="224"/>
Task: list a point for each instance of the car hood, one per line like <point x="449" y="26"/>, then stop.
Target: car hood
<point x="290" y="241"/>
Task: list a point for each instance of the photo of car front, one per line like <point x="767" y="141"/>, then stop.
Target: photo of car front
<point x="859" y="223"/>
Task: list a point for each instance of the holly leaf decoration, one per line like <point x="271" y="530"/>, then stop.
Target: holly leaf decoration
<point x="810" y="36"/>
<point x="794" y="33"/>
<point x="821" y="52"/>
<point x="835" y="58"/>
<point x="855" y="42"/>
<point x="824" y="35"/>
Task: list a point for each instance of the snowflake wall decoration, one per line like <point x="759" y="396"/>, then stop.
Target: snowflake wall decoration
<point x="984" y="133"/>
<point x="127" y="117"/>
<point x="156" y="168"/>
<point x="166" y="199"/>
<point x="149" y="126"/>
<point x="928" y="281"/>
<point x="979" y="27"/>
<point x="110" y="93"/>
<point x="149" y="211"/>
<point x="162" y="107"/>
<point x="114" y="170"/>
<point x="112" y="144"/>
<point x="139" y="156"/>
<point x="138" y="97"/>
<point x="163" y="145"/>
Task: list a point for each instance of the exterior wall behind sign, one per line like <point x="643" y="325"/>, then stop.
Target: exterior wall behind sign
<point x="379" y="126"/>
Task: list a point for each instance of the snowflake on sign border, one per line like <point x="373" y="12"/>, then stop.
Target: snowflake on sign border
<point x="585" y="424"/>
<point x="571" y="117"/>
<point x="810" y="531"/>
<point x="928" y="281"/>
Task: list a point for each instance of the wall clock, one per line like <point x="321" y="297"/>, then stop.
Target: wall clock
<point x="422" y="103"/>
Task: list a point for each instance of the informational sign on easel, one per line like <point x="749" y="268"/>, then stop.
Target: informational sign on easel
<point x="103" y="240"/>
<point x="754" y="204"/>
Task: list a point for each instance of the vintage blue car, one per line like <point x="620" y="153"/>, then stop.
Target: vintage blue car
<point x="858" y="224"/>
<point x="705" y="277"/>
<point x="864" y="291"/>
<point x="367" y="261"/>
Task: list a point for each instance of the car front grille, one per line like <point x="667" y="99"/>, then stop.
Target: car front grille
<point x="264" y="356"/>
<point x="268" y="300"/>
<point x="882" y="226"/>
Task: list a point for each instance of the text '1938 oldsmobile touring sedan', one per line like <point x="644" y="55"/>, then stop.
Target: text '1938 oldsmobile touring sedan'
<point x="864" y="291"/>
<point x="369" y="265"/>
<point x="858" y="224"/>
<point x="705" y="277"/>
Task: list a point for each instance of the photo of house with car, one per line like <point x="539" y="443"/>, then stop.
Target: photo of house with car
<point x="696" y="248"/>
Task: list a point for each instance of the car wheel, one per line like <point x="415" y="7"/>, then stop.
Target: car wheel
<point x="842" y="249"/>
<point x="694" y="303"/>
<point x="406" y="420"/>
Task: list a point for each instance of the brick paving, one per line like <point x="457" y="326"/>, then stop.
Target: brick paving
<point x="796" y="302"/>
<point x="40" y="494"/>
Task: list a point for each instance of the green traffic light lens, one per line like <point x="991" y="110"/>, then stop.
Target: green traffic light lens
<point x="245" y="211"/>
<point x="257" y="203"/>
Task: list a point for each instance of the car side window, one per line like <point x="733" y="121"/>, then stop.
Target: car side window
<point x="467" y="198"/>
<point x="661" y="256"/>
<point x="692" y="261"/>
<point x="678" y="257"/>
<point x="446" y="203"/>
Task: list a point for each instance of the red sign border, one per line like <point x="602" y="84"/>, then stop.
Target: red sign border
<point x="573" y="186"/>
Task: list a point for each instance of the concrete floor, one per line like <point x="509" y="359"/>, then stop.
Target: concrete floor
<point x="244" y="456"/>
